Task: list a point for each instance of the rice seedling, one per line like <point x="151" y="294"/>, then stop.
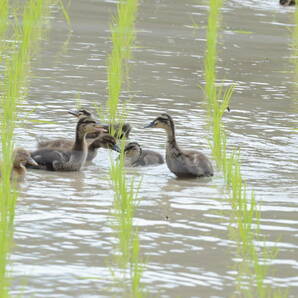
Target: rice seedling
<point x="125" y="193"/>
<point x="25" y="31"/>
<point x="252" y="261"/>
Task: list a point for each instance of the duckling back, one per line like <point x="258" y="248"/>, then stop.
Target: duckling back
<point x="135" y="156"/>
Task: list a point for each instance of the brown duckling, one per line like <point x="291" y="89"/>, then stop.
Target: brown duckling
<point x="121" y="130"/>
<point x="21" y="157"/>
<point x="136" y="156"/>
<point x="287" y="2"/>
<point x="181" y="163"/>
<point x="62" y="143"/>
<point x="66" y="144"/>
<point x="72" y="159"/>
<point x="104" y="140"/>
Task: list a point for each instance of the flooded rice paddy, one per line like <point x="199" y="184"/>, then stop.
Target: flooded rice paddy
<point x="63" y="238"/>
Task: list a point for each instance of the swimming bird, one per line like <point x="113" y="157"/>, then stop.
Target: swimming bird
<point x="182" y="163"/>
<point x="104" y="140"/>
<point x="65" y="144"/>
<point x="136" y="156"/>
<point x="68" y="160"/>
<point x="20" y="158"/>
<point x="120" y="131"/>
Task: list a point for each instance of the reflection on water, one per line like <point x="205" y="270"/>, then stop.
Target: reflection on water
<point x="63" y="238"/>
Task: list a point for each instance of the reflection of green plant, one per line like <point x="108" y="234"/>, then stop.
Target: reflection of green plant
<point x="15" y="56"/>
<point x="244" y="229"/>
<point x="125" y="194"/>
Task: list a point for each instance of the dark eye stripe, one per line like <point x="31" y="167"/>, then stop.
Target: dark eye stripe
<point x="162" y="119"/>
<point x="88" y="121"/>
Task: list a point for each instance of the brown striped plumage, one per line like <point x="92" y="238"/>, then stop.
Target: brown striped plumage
<point x="182" y="163"/>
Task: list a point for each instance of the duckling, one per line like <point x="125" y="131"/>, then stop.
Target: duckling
<point x="102" y="141"/>
<point x="68" y="160"/>
<point x="135" y="156"/>
<point x="121" y="130"/>
<point x="287" y="2"/>
<point x="62" y="143"/>
<point x="181" y="163"/>
<point x="20" y="158"/>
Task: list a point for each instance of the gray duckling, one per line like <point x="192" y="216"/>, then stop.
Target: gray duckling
<point x="182" y="163"/>
<point x="68" y="160"/>
<point x="135" y="156"/>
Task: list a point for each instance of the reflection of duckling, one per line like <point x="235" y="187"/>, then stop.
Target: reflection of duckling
<point x="68" y="160"/>
<point x="181" y="163"/>
<point x="287" y="2"/>
<point x="135" y="156"/>
<point x="20" y="158"/>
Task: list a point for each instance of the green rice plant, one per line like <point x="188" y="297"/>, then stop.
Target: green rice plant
<point x="25" y="30"/>
<point x="123" y="37"/>
<point x="125" y="193"/>
<point x="137" y="268"/>
<point x="252" y="261"/>
<point x="124" y="207"/>
<point x="211" y="51"/>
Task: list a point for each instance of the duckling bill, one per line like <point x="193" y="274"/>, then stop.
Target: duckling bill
<point x="135" y="156"/>
<point x="183" y="163"/>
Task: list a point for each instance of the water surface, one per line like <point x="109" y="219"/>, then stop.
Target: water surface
<point x="63" y="240"/>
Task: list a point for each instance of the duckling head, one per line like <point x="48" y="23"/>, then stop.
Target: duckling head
<point x="132" y="149"/>
<point x="88" y="125"/>
<point x="22" y="157"/>
<point x="164" y="121"/>
<point x="106" y="141"/>
<point x="80" y="113"/>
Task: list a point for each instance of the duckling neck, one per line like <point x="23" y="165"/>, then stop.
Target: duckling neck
<point x="18" y="171"/>
<point x="79" y="150"/>
<point x="134" y="159"/>
<point x="171" y="138"/>
<point x="80" y="142"/>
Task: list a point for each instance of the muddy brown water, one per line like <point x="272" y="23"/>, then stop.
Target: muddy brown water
<point x="63" y="241"/>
